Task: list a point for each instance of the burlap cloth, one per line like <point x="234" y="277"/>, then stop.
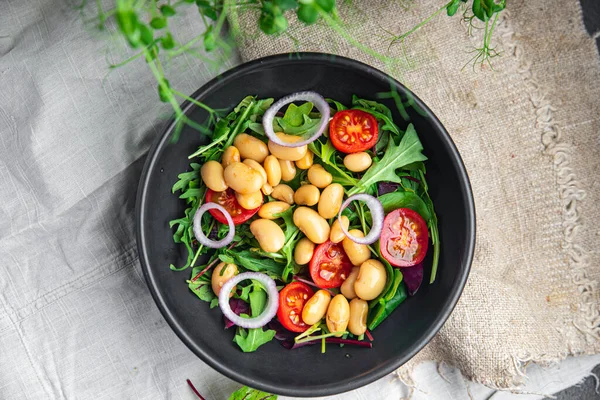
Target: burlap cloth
<point x="528" y="132"/>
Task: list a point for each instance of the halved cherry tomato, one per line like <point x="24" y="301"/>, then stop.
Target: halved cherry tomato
<point x="329" y="266"/>
<point x="291" y="302"/>
<point x="352" y="131"/>
<point x="404" y="238"/>
<point x="227" y="199"/>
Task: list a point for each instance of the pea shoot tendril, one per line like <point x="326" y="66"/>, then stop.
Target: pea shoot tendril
<point x="146" y="28"/>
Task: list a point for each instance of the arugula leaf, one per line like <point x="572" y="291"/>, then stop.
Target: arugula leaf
<point x="326" y="152"/>
<point x="396" y="156"/>
<point x="251" y="339"/>
<point x="197" y="270"/>
<point x="382" y="142"/>
<point x="247" y="393"/>
<point x="226" y="259"/>
<point x="371" y="105"/>
<point x="379" y="111"/>
<point x="257" y="128"/>
<point x="290" y="228"/>
<point x="246" y="290"/>
<point x="184" y="234"/>
<point x="297" y="120"/>
<point x="192" y="192"/>
<point x="258" y="300"/>
<point x="203" y="290"/>
<point x="292" y="236"/>
<point x="307" y="126"/>
<point x="338" y="106"/>
<point x="184" y="180"/>
<point x="294" y="115"/>
<point x="263" y="105"/>
<point x="245" y="103"/>
<point x="250" y="261"/>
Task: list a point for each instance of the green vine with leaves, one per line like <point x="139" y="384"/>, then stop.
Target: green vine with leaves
<point x="145" y="25"/>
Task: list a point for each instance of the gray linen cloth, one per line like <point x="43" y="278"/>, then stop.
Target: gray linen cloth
<point x="76" y="318"/>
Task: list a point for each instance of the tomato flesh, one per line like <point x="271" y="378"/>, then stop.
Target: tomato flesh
<point x="291" y="301"/>
<point x="329" y="266"/>
<point x="227" y="199"/>
<point x="352" y="131"/>
<point x="404" y="238"/>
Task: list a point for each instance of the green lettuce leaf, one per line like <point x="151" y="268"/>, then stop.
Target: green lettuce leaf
<point x="395" y="200"/>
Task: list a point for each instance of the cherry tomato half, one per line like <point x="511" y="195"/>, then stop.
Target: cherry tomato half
<point x="291" y="302"/>
<point x="227" y="199"/>
<point x="404" y="238"/>
<point x="352" y="131"/>
<point x="329" y="266"/>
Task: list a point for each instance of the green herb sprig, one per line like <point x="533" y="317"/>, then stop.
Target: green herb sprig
<point x="146" y="27"/>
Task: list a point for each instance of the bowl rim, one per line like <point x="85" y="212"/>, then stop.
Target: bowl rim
<point x="153" y="284"/>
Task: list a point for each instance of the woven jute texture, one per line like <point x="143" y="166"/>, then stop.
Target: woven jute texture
<point x="528" y="131"/>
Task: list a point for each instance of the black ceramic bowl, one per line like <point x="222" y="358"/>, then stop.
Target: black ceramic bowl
<point x="304" y="371"/>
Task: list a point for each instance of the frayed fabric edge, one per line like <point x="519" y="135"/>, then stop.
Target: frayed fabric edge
<point x="571" y="194"/>
<point x="570" y="189"/>
<point x="405" y="376"/>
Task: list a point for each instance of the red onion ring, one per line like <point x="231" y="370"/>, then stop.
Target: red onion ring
<point x="272" y="303"/>
<point x="202" y="238"/>
<point x="318" y="101"/>
<point x="377" y="215"/>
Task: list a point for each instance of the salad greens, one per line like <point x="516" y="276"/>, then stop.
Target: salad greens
<point x="388" y="304"/>
<point x="391" y="201"/>
<point x="396" y="156"/>
<point x="247" y="393"/>
<point x="251" y="339"/>
<point x="397" y="161"/>
<point x="243" y="393"/>
<point x="190" y="183"/>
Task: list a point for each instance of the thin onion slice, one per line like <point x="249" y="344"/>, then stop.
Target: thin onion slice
<point x="202" y="238"/>
<point x="377" y="216"/>
<point x="268" y="313"/>
<point x="315" y="98"/>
